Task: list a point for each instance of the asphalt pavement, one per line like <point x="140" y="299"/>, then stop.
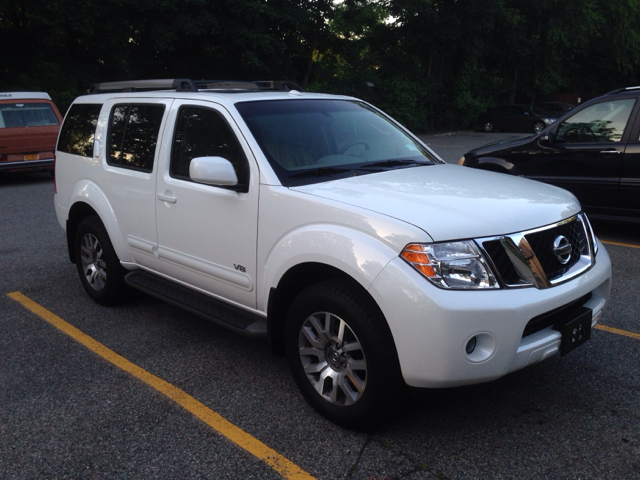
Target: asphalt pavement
<point x="66" y="412"/>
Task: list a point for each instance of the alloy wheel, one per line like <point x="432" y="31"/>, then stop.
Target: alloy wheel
<point x="93" y="265"/>
<point x="333" y="358"/>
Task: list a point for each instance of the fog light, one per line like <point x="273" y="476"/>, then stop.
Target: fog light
<point x="471" y="346"/>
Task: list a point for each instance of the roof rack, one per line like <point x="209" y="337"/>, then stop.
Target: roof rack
<point x="619" y="90"/>
<point x="187" y="85"/>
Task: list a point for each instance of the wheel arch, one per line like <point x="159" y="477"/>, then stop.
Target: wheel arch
<point x="294" y="281"/>
<point x="87" y="199"/>
<point x="77" y="213"/>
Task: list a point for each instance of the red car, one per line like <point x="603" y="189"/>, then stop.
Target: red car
<point x="29" y="126"/>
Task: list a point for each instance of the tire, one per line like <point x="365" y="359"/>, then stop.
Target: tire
<point x="351" y="378"/>
<point x="488" y="127"/>
<point x="538" y="127"/>
<point x="99" y="268"/>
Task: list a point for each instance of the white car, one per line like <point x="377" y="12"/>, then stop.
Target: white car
<point x="321" y="223"/>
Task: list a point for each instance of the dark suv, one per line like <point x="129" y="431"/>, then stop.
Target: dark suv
<point x="592" y="151"/>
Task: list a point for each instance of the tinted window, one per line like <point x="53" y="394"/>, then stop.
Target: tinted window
<point x="26" y="115"/>
<point x="602" y="122"/>
<point x="306" y="135"/>
<point x="202" y="132"/>
<point x="79" y="128"/>
<point x="133" y="135"/>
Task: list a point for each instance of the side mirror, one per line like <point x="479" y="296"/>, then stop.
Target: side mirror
<point x="213" y="171"/>
<point x="546" y="139"/>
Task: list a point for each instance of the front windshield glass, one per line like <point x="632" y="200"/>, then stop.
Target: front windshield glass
<point x="309" y="141"/>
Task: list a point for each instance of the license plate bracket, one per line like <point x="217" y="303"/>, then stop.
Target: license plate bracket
<point x="576" y="331"/>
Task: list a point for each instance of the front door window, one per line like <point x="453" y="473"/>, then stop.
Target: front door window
<point x="602" y="122"/>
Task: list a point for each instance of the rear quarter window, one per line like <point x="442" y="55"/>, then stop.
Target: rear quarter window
<point x="133" y="135"/>
<point x="79" y="129"/>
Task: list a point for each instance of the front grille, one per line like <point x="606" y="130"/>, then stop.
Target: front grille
<point x="542" y="244"/>
<point x="528" y="258"/>
<point x="500" y="259"/>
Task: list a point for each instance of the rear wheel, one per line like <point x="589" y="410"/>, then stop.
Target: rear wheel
<point x="488" y="127"/>
<point x="341" y="354"/>
<point x="98" y="265"/>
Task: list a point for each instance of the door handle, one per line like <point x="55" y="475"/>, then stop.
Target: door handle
<point x="611" y="152"/>
<point x="167" y="198"/>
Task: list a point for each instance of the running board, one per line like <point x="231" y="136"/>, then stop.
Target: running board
<point x="198" y="304"/>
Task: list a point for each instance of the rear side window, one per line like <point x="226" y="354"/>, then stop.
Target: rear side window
<point x="133" y="135"/>
<point x="16" y="115"/>
<point x="79" y="129"/>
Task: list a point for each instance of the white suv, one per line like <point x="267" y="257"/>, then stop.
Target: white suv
<point x="321" y="223"/>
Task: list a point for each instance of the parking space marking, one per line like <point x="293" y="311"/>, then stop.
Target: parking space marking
<point x="618" y="331"/>
<point x="238" y="436"/>
<point x="630" y="245"/>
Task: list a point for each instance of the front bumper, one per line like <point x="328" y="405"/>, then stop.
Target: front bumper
<point x="431" y="326"/>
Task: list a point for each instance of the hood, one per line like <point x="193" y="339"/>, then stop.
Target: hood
<point x="450" y="202"/>
<point x="501" y="145"/>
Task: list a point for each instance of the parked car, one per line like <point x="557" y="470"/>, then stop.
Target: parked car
<point x="29" y="126"/>
<point x="555" y="108"/>
<point x="322" y="224"/>
<point x="593" y="151"/>
<point x="522" y="118"/>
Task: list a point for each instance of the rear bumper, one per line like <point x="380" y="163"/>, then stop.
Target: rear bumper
<point x="22" y="165"/>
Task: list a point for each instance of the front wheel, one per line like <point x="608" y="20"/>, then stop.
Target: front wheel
<point x="341" y="354"/>
<point x="488" y="127"/>
<point x="98" y="265"/>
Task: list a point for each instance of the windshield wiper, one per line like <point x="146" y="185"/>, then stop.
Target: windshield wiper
<point x="392" y="164"/>
<point x="321" y="171"/>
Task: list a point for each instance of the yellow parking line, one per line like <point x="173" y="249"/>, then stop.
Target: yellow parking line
<point x="621" y="244"/>
<point x="238" y="436"/>
<point x="618" y="331"/>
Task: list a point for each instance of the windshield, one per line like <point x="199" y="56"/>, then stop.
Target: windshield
<point x="309" y="141"/>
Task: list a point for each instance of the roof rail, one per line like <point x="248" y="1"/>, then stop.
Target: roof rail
<point x="619" y="90"/>
<point x="187" y="85"/>
<point x="239" y="85"/>
<point x="178" y="84"/>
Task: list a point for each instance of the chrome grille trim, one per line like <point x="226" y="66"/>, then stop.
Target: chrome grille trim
<point x="526" y="267"/>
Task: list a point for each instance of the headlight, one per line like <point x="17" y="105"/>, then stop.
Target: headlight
<point x="451" y="265"/>
<point x="548" y="121"/>
<point x="461" y="161"/>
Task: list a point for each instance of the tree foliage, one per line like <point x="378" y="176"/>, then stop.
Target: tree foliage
<point x="431" y="63"/>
